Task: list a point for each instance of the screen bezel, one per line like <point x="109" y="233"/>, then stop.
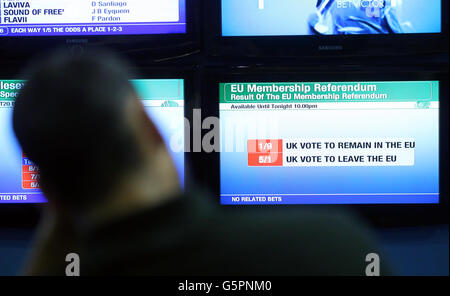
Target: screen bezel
<point x="380" y="214"/>
<point x="298" y="47"/>
<point x="141" y="48"/>
<point x="27" y="215"/>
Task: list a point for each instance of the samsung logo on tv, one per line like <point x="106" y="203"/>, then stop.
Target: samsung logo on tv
<point x="331" y="47"/>
<point x="77" y="41"/>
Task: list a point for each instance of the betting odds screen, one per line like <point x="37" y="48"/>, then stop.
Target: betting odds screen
<point x="329" y="142"/>
<point x="19" y="177"/>
<point x="91" y="17"/>
<point x="329" y="17"/>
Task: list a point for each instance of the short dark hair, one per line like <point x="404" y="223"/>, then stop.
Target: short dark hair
<point x="70" y="121"/>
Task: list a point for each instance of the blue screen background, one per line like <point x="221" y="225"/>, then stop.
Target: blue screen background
<point x="290" y="17"/>
<point x="169" y="121"/>
<point x="339" y="185"/>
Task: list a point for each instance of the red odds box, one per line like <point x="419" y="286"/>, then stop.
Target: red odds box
<point x="30" y="184"/>
<point x="265" y="159"/>
<point x="265" y="152"/>
<point x="265" y="146"/>
<point x="29" y="169"/>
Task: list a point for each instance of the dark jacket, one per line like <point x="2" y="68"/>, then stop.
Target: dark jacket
<point x="191" y="236"/>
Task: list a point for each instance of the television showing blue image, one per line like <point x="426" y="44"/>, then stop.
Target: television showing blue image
<point x="329" y="143"/>
<point x="163" y="100"/>
<point x="89" y="18"/>
<point x="329" y="17"/>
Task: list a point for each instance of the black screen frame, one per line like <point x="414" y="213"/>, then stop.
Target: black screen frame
<point x="383" y="215"/>
<point x="143" y="49"/>
<point x="300" y="47"/>
<point x="28" y="215"/>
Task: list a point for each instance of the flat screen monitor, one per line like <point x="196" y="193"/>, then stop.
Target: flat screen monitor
<point x="299" y="29"/>
<point x="352" y="142"/>
<point x="162" y="98"/>
<point x="329" y="17"/>
<point x="91" y="18"/>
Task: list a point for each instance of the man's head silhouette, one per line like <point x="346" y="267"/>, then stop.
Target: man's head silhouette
<point x="79" y="120"/>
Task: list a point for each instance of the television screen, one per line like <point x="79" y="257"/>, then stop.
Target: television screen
<point x="329" y="142"/>
<point x="329" y="17"/>
<point x="91" y="17"/>
<point x="163" y="100"/>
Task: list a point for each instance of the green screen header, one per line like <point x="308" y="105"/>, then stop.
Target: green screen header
<point x="159" y="89"/>
<point x="148" y="89"/>
<point x="317" y="92"/>
<point x="9" y="89"/>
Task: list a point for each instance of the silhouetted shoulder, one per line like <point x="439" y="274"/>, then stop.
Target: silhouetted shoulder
<point x="192" y="236"/>
<point x="291" y="241"/>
